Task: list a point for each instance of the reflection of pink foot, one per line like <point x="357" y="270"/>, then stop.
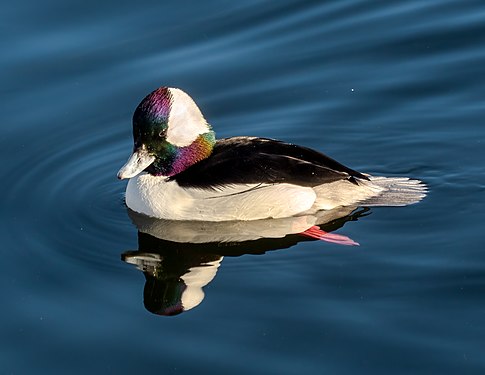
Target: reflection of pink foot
<point x="317" y="233"/>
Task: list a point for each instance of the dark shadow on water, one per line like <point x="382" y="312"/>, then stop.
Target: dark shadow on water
<point x="179" y="258"/>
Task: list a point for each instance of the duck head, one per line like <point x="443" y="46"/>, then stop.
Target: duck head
<point x="170" y="135"/>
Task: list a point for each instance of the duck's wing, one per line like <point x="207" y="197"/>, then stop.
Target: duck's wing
<point x="250" y="160"/>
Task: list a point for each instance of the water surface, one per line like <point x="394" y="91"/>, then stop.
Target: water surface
<point x="387" y="88"/>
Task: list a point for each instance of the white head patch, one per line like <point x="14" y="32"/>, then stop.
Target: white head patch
<point x="185" y="122"/>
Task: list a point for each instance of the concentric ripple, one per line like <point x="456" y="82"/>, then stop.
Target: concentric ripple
<point x="70" y="200"/>
<point x="389" y="88"/>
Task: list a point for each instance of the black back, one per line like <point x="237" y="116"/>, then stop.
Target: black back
<point x="247" y="160"/>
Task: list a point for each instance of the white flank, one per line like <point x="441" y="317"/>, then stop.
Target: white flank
<point x="155" y="197"/>
<point x="185" y="122"/>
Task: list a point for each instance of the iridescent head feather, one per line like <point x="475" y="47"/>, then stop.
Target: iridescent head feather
<point x="170" y="134"/>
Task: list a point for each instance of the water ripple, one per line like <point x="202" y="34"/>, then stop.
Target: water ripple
<point x="388" y="87"/>
<point x="71" y="196"/>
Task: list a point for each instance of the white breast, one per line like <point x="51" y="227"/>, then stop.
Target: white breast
<point x="156" y="197"/>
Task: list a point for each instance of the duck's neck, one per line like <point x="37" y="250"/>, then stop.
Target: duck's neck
<point x="178" y="159"/>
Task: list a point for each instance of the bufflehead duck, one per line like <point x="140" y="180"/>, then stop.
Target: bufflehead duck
<point x="179" y="171"/>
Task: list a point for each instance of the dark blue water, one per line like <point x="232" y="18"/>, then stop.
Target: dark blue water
<point x="395" y="89"/>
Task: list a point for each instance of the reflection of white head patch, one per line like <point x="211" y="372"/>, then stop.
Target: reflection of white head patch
<point x="185" y="121"/>
<point x="195" y="279"/>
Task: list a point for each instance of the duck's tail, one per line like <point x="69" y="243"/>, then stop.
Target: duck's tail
<point x="395" y="191"/>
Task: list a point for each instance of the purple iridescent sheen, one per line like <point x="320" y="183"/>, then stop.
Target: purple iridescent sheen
<point x="150" y="124"/>
<point x="200" y="149"/>
<point x="156" y="105"/>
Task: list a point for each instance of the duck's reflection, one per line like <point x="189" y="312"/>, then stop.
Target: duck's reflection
<point x="174" y="278"/>
<point x="179" y="258"/>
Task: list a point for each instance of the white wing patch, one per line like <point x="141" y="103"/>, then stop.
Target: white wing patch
<point x="154" y="196"/>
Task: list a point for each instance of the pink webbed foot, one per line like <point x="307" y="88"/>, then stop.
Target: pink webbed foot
<point x="317" y="233"/>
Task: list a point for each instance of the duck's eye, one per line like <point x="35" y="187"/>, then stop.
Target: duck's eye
<point x="162" y="133"/>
